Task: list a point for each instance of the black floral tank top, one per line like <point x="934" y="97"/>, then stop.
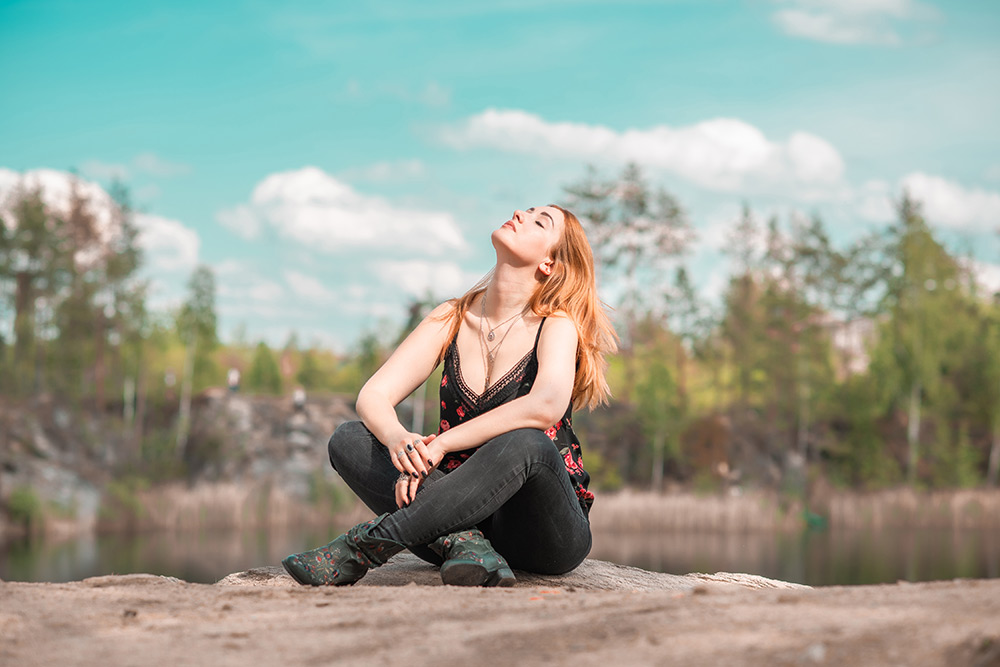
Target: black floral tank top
<point x="459" y="402"/>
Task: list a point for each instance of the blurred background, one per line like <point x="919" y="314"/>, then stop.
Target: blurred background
<point x="218" y="221"/>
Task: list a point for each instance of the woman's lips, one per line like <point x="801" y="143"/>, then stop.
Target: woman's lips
<point x="508" y="224"/>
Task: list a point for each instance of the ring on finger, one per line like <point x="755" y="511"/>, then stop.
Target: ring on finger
<point x="409" y="446"/>
<point x="400" y="453"/>
<point x="403" y="477"/>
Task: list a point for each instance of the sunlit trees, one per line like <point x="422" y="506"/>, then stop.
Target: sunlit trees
<point x="637" y="231"/>
<point x="264" y="375"/>
<point x="196" y="326"/>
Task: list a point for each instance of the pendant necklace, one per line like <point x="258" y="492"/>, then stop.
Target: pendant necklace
<point x="490" y="355"/>
<point x="490" y="336"/>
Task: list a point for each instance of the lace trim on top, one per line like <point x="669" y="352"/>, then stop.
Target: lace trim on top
<point x="481" y="402"/>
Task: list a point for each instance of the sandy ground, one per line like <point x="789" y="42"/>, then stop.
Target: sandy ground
<point x="602" y="614"/>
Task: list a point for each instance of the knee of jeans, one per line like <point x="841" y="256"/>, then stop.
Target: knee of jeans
<point x="346" y="433"/>
<point x="534" y="444"/>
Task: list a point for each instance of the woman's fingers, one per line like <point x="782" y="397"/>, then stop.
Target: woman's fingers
<point x="398" y="456"/>
<point x="416" y="459"/>
<point x="400" y="493"/>
<point x="405" y="457"/>
<point x="406" y="490"/>
<point x="425" y="458"/>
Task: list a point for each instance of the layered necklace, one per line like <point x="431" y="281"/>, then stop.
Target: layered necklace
<point x="490" y="354"/>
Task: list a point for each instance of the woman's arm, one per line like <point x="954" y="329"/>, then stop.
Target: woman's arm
<point x="540" y="408"/>
<point x="408" y="366"/>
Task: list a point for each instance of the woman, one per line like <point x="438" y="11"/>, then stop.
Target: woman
<point x="501" y="484"/>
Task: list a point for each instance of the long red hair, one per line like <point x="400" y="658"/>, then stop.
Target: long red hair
<point x="571" y="288"/>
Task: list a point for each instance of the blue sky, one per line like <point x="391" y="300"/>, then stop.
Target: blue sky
<point x="331" y="160"/>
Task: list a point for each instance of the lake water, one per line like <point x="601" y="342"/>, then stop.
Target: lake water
<point x="831" y="557"/>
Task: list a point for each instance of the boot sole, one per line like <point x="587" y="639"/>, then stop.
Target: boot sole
<point x="474" y="574"/>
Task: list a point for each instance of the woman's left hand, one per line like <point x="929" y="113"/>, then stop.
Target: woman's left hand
<point x="431" y="452"/>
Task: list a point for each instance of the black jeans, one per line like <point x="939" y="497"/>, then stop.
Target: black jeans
<point x="514" y="488"/>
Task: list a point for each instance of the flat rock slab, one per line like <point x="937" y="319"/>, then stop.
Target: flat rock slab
<point x="391" y="618"/>
<point x="592" y="575"/>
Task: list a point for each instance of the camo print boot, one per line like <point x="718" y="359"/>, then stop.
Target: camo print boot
<point x="344" y="560"/>
<point x="470" y="560"/>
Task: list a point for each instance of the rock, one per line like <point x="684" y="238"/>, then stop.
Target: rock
<point x="110" y="580"/>
<point x="592" y="575"/>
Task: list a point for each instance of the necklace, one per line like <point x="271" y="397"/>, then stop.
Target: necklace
<point x="490" y="336"/>
<point x="490" y="355"/>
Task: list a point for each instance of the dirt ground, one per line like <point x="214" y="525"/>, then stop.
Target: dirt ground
<point x="601" y="614"/>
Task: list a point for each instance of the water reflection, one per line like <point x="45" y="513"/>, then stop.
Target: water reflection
<point x="835" y="557"/>
<point x="203" y="556"/>
<point x="828" y="558"/>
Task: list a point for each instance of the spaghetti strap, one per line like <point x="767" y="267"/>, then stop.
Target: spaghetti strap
<point x="538" y="334"/>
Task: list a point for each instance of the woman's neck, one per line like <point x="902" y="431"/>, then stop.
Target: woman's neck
<point x="509" y="291"/>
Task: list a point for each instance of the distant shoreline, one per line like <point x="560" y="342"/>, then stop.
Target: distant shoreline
<point x="230" y="505"/>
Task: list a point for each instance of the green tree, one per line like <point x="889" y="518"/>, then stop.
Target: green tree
<point x="196" y="326"/>
<point x="310" y="376"/>
<point x="264" y="375"/>
<point x="919" y="296"/>
<point x="36" y="264"/>
<point x="637" y="232"/>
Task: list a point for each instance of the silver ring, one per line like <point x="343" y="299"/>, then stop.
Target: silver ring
<point x="400" y="453"/>
<point x="403" y="477"/>
<point x="409" y="446"/>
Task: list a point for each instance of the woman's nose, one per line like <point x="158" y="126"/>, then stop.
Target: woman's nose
<point x="518" y="214"/>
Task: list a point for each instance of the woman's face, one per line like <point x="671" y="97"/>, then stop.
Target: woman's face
<point x="530" y="236"/>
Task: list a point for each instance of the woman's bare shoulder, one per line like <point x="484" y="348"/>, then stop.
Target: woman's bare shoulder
<point x="442" y="312"/>
<point x="559" y="324"/>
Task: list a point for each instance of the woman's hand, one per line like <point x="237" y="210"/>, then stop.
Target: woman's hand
<point x="411" y="456"/>
<point x="430" y="454"/>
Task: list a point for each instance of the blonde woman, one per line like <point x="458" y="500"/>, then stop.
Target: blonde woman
<point x="501" y="484"/>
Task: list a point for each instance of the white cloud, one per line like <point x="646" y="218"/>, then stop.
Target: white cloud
<point x="719" y="154"/>
<point x="246" y="290"/>
<point x="953" y="205"/>
<point x="241" y="220"/>
<point x="240" y="283"/>
<point x="849" y="21"/>
<point x="987" y="275"/>
<point x="168" y="244"/>
<point x="875" y="201"/>
<point x="309" y="288"/>
<point x="311" y="207"/>
<point x="418" y="277"/>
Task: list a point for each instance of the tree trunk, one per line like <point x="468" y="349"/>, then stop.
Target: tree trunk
<point x="913" y="432"/>
<point x="184" y="416"/>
